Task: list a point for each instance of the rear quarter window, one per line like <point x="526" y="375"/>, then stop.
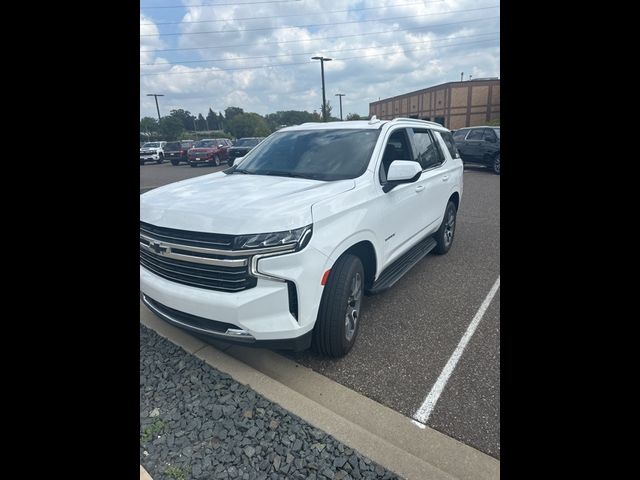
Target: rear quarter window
<point x="447" y="138"/>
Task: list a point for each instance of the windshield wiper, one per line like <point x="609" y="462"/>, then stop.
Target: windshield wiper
<point x="246" y="172"/>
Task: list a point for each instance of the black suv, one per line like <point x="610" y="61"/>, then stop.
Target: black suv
<point x="176" y="152"/>
<point x="242" y="147"/>
<point x="479" y="145"/>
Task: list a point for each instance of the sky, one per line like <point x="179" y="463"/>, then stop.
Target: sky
<point x="256" y="54"/>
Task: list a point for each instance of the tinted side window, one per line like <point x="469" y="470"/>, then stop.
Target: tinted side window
<point x="426" y="151"/>
<point x="489" y="134"/>
<point x="475" y="134"/>
<point x="397" y="148"/>
<point x="460" y="134"/>
<point x="451" y="146"/>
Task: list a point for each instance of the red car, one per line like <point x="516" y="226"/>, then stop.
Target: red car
<point x="212" y="151"/>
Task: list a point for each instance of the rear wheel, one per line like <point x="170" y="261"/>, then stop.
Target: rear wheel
<point x="444" y="235"/>
<point x="496" y="165"/>
<point x="337" y="324"/>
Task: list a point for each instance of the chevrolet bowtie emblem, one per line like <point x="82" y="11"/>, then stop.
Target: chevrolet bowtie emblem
<point x="157" y="247"/>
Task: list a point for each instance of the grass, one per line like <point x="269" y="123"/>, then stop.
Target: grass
<point x="151" y="430"/>
<point x="175" y="473"/>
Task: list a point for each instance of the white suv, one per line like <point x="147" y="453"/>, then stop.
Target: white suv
<point x="315" y="216"/>
<point x="152" y="151"/>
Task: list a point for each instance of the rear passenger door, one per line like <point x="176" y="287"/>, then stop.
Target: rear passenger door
<point x="433" y="185"/>
<point x="474" y="145"/>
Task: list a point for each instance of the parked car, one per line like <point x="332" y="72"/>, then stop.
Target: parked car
<point x="176" y="152"/>
<point x="479" y="145"/>
<point x="317" y="215"/>
<point x="152" y="151"/>
<point x="209" y="151"/>
<point x="241" y="147"/>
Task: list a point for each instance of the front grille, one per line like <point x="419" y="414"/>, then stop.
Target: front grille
<point x="184" y="237"/>
<point x="225" y="278"/>
<point x="210" y="277"/>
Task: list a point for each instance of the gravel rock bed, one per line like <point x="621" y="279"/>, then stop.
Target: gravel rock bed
<point x="199" y="423"/>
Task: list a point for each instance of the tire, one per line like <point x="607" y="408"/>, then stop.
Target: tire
<point x="193" y="165"/>
<point x="496" y="165"/>
<point x="175" y="163"/>
<point x="216" y="160"/>
<point x="444" y="235"/>
<point x="337" y="325"/>
<point x="230" y="162"/>
<point x="160" y="159"/>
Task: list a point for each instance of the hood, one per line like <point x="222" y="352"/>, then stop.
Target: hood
<point x="237" y="204"/>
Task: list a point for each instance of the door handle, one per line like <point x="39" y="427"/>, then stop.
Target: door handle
<point x="445" y="178"/>
<point x="419" y="188"/>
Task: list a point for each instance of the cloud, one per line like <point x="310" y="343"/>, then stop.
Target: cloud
<point x="435" y="49"/>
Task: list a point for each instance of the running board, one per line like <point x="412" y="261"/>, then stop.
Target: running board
<point x="397" y="269"/>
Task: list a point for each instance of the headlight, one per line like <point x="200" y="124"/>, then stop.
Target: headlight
<point x="298" y="238"/>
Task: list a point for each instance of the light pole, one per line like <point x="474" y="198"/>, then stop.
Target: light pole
<point x="341" y="95"/>
<point x="156" y="95"/>
<point x="324" y="102"/>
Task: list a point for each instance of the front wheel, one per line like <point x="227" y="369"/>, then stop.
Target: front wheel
<point x="496" y="165"/>
<point x="216" y="160"/>
<point x="337" y="324"/>
<point x="160" y="159"/>
<point x="444" y="235"/>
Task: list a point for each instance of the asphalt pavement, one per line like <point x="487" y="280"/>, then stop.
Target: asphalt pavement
<point x="153" y="175"/>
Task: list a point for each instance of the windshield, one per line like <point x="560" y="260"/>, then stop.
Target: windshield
<point x="186" y="144"/>
<point x="317" y="154"/>
<point x="205" y="144"/>
<point x="172" y="146"/>
<point x="247" y="142"/>
<point x="151" y="145"/>
<point x="497" y="130"/>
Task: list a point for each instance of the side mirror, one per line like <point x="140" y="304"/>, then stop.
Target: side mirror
<point x="402" y="171"/>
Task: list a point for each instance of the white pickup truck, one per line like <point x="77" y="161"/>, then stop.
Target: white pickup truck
<point x="314" y="217"/>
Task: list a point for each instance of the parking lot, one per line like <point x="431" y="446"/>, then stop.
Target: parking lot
<point x="409" y="334"/>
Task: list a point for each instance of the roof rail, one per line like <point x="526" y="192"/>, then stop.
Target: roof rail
<point x="404" y="119"/>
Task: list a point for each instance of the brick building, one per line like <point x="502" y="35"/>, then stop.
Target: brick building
<point x="453" y="104"/>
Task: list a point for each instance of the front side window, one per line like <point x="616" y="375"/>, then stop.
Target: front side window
<point x="475" y="134"/>
<point x="332" y="154"/>
<point x="397" y="148"/>
<point x="426" y="150"/>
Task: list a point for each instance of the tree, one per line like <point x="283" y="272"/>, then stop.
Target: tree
<point x="212" y="120"/>
<point x="148" y="124"/>
<point x="355" y="116"/>
<point x="248" y="125"/>
<point x="231" y="112"/>
<point x="202" y="124"/>
<point x="326" y="109"/>
<point x="289" y="117"/>
<point x="184" y="116"/>
<point x="171" y="128"/>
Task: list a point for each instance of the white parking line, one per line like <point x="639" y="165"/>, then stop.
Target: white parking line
<point x="423" y="413"/>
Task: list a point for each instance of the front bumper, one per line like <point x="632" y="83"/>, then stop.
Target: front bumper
<point x="253" y="316"/>
<point x="151" y="156"/>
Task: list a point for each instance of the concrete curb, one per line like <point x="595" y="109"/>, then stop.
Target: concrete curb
<point x="376" y="431"/>
<point x="144" y="475"/>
